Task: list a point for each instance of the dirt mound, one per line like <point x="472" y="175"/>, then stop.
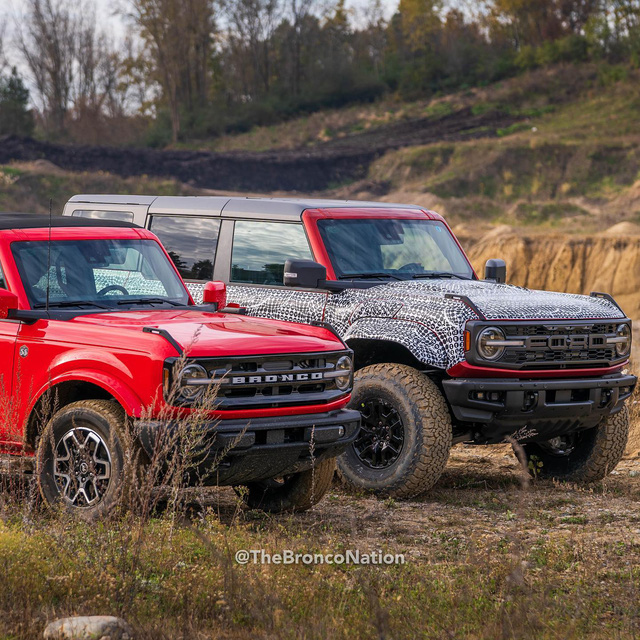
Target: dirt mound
<point x="623" y="229"/>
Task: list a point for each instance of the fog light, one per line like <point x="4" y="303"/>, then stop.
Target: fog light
<point x="340" y="432"/>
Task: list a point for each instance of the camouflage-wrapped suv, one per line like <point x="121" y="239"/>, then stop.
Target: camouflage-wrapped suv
<point x="441" y="356"/>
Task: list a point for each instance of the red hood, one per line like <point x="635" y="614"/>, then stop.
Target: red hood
<point x="204" y="334"/>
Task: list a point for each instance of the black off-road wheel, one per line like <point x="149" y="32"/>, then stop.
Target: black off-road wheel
<point x="404" y="442"/>
<point x="585" y="456"/>
<point x="80" y="458"/>
<point x="293" y="493"/>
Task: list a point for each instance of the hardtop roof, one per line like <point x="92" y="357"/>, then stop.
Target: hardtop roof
<point x="10" y="221"/>
<point x="233" y="206"/>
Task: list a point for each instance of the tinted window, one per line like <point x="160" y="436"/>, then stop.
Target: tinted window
<point x="260" y="250"/>
<point x="126" y="216"/>
<point x="191" y="242"/>
<point x="400" y="247"/>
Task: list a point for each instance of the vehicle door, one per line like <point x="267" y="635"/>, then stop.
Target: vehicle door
<point x="192" y="243"/>
<point x="10" y="423"/>
<point x="251" y="261"/>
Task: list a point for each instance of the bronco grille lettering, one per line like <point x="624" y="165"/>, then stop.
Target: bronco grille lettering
<point x="283" y="377"/>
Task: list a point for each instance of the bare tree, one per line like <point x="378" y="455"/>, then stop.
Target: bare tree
<point x="47" y="40"/>
<point x="179" y="33"/>
<point x="299" y="10"/>
<point x="252" y="26"/>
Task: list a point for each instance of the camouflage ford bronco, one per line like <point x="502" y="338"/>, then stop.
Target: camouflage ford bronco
<point x="442" y="356"/>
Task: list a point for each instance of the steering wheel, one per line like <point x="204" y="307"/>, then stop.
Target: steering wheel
<point x="414" y="267"/>
<point x="112" y="287"/>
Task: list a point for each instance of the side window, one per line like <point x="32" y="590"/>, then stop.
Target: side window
<point x="3" y="282"/>
<point x="260" y="250"/>
<point x="124" y="216"/>
<point x="191" y="242"/>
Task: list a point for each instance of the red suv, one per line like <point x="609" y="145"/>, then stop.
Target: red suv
<point x="97" y="329"/>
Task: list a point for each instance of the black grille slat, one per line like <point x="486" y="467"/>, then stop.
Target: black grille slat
<point x="281" y="392"/>
<point x="594" y="354"/>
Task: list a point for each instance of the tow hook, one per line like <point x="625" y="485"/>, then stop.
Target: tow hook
<point x="530" y="400"/>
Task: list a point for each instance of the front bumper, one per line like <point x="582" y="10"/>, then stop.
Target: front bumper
<point x="531" y="410"/>
<point x="241" y="451"/>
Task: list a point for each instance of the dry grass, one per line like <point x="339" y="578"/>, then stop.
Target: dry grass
<point x="488" y="555"/>
<point x="485" y="558"/>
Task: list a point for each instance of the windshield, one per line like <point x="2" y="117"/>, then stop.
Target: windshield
<point x="394" y="248"/>
<point x="101" y="273"/>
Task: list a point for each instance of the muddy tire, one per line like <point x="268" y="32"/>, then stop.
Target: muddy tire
<point x="80" y="458"/>
<point x="405" y="439"/>
<point x="587" y="456"/>
<point x="294" y="493"/>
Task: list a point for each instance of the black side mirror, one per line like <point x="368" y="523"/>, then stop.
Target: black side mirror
<point x="496" y="270"/>
<point x="304" y="273"/>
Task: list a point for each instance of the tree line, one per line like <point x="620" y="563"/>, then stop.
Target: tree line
<point x="189" y="69"/>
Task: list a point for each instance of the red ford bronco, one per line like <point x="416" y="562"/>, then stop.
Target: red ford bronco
<point x="96" y="326"/>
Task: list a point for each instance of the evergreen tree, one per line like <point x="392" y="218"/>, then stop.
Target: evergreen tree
<point x="15" y="115"/>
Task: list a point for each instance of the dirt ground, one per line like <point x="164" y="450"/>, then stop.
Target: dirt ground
<point x="482" y="495"/>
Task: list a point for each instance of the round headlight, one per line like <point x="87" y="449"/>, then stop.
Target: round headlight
<point x="623" y="333"/>
<point x="344" y="365"/>
<point x="487" y="350"/>
<point x="192" y="372"/>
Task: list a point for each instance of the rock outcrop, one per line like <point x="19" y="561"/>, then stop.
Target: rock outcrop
<point x="560" y="262"/>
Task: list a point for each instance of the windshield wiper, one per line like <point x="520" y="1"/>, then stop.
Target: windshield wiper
<point x="439" y="274"/>
<point x="151" y="301"/>
<point x="361" y="276"/>
<point x="69" y="303"/>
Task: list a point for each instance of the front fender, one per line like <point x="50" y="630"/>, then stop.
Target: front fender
<point x="421" y="341"/>
<point x="126" y="397"/>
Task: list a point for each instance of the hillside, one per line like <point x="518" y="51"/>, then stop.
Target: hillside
<point x="556" y="148"/>
<point x="543" y="170"/>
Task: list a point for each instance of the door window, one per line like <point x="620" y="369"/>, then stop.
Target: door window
<point x="191" y="241"/>
<point x="260" y="250"/>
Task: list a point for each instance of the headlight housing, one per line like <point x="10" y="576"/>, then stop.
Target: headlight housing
<point x="623" y="336"/>
<point x="190" y="372"/>
<point x="484" y="341"/>
<point x="344" y="373"/>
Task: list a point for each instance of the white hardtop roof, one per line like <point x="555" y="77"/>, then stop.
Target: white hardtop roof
<point x="235" y="207"/>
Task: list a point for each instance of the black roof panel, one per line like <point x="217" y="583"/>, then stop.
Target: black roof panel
<point x="39" y="221"/>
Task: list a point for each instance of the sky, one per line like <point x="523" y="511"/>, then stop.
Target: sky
<point x="107" y="10"/>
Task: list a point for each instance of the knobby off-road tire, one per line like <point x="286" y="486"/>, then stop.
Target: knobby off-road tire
<point x="295" y="493"/>
<point x="426" y="427"/>
<point x="91" y="434"/>
<point x="594" y="453"/>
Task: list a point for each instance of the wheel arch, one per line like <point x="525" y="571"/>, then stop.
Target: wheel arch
<point x="380" y="340"/>
<point x="72" y="388"/>
<point x="367" y="351"/>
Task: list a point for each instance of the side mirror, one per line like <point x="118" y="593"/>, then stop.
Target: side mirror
<point x="215" y="293"/>
<point x="8" y="301"/>
<point x="496" y="270"/>
<point x="304" y="273"/>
